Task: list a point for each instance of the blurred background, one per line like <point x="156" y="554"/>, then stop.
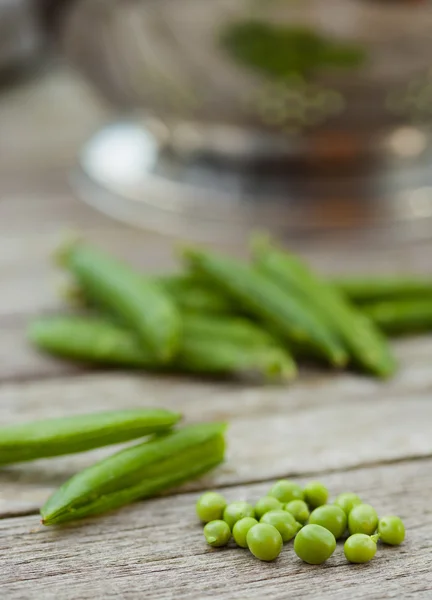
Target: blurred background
<point x="207" y="118"/>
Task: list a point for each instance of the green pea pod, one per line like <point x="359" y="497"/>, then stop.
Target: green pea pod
<point x="138" y="472"/>
<point x="193" y="295"/>
<point x="398" y="317"/>
<point x="380" y="288"/>
<point x="260" y="297"/>
<point x="229" y="347"/>
<point x="365" y="342"/>
<point x="188" y="293"/>
<point x="56" y="437"/>
<point x="90" y="339"/>
<point x="138" y="302"/>
<point x="236" y="330"/>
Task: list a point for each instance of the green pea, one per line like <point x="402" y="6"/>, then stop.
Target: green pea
<point x="264" y="541"/>
<point x="391" y="530"/>
<point x="363" y="519"/>
<point x="331" y="517"/>
<point x="217" y="533"/>
<point x="210" y="507"/>
<point x="266" y="504"/>
<point x="347" y="501"/>
<point x="284" y="523"/>
<point x="314" y="544"/>
<point x="236" y="511"/>
<point x="315" y="494"/>
<point x="285" y="491"/>
<point x="360" y="548"/>
<point x="299" y="510"/>
<point x="240" y="530"/>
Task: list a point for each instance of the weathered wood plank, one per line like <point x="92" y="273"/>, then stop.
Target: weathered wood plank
<point x="156" y="550"/>
<point x="313" y="426"/>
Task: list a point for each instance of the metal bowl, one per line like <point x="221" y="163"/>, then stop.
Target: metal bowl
<point x="218" y="146"/>
<point x="166" y="57"/>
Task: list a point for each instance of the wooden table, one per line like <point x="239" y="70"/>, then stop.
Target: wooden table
<point x="351" y="432"/>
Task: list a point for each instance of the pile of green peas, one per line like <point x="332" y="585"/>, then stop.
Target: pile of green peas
<point x="303" y="514"/>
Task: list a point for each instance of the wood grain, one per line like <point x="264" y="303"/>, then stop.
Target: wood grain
<point x="156" y="550"/>
<point x="311" y="427"/>
<point x="323" y="425"/>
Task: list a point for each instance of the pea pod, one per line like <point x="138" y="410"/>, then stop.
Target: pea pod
<point x="260" y="297"/>
<point x="226" y="345"/>
<point x="371" y="289"/>
<point x="192" y="295"/>
<point x="397" y="317"/>
<point x="362" y="338"/>
<point x="138" y="472"/>
<point x="188" y="293"/>
<point x="229" y="347"/>
<point x="138" y="302"/>
<point x="56" y="437"/>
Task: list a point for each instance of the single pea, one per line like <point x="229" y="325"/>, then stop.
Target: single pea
<point x="363" y="519"/>
<point x="265" y="505"/>
<point x="283" y="521"/>
<point x="241" y="529"/>
<point x="217" y="533"/>
<point x="314" y="544"/>
<point x="391" y="530"/>
<point x="210" y="507"/>
<point x="360" y="548"/>
<point x="285" y="491"/>
<point x="315" y="494"/>
<point x="331" y="517"/>
<point x="347" y="502"/>
<point x="264" y="541"/>
<point x="299" y="510"/>
<point x="236" y="511"/>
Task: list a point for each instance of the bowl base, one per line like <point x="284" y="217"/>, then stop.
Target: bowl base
<point x="126" y="172"/>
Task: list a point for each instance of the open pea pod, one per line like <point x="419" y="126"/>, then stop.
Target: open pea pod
<point x="138" y="472"/>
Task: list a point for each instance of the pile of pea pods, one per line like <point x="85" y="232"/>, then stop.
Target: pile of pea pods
<point x="223" y="317"/>
<point x="303" y="514"/>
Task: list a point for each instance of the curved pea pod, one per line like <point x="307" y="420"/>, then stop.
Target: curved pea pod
<point x="138" y="302"/>
<point x="367" y="346"/>
<point x="260" y="297"/>
<point x="380" y="288"/>
<point x="56" y="437"/>
<point x="398" y="317"/>
<point x="138" y="472"/>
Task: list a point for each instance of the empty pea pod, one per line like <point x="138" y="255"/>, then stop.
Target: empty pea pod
<point x="367" y="346"/>
<point x="260" y="297"/>
<point x="139" y="302"/>
<point x="138" y="472"/>
<point x="56" y="437"/>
